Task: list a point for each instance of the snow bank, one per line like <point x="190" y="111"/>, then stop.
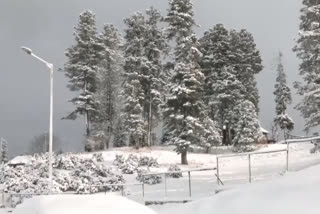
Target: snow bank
<point x="295" y="193"/>
<point x="81" y="204"/>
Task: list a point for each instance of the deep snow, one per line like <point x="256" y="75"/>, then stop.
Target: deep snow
<point x="81" y="204"/>
<point x="294" y="193"/>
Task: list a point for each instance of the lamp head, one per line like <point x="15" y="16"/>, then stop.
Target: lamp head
<point x="27" y="50"/>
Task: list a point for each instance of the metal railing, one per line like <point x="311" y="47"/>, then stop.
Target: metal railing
<point x="122" y="186"/>
<point x="249" y="154"/>
<point x="180" y="171"/>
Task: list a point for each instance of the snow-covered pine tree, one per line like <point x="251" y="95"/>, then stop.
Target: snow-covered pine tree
<point x="211" y="135"/>
<point x="83" y="59"/>
<point x="120" y="137"/>
<point x="181" y="21"/>
<point x="185" y="112"/>
<point x="246" y="60"/>
<point x="230" y="62"/>
<point x="282" y="98"/>
<point x="132" y="92"/>
<point x="308" y="49"/>
<point x="4" y="151"/>
<point x="246" y="125"/>
<point x="214" y="46"/>
<point x="228" y="92"/>
<point x="155" y="47"/>
<point x="107" y="93"/>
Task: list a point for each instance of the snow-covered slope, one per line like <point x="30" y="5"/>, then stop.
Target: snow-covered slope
<point x="81" y="204"/>
<point x="294" y="193"/>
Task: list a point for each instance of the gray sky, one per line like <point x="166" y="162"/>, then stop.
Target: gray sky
<point x="47" y="27"/>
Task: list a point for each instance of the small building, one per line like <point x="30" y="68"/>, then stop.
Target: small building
<point x="266" y="137"/>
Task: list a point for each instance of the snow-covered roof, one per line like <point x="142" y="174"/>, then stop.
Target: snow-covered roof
<point x="264" y="131"/>
<point x="20" y="160"/>
<point x="81" y="204"/>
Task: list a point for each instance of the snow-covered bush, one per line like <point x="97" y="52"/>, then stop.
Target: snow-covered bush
<point x="130" y="165"/>
<point x="71" y="173"/>
<point x="148" y="179"/>
<point x="127" y="165"/>
<point x="315" y="149"/>
<point x="66" y="161"/>
<point x="98" y="157"/>
<point x="119" y="160"/>
<point x="148" y="161"/>
<point x="176" y="171"/>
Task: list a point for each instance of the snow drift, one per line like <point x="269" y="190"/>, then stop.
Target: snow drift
<point x="294" y="193"/>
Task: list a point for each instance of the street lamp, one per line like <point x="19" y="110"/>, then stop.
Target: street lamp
<point x="50" y="66"/>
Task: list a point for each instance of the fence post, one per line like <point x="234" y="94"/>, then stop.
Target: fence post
<point x="287" y="164"/>
<point x="3" y="203"/>
<point x="165" y="185"/>
<point x="218" y="176"/>
<point x="142" y="189"/>
<point x="189" y="175"/>
<point x="122" y="190"/>
<point x="249" y="159"/>
<point x="10" y="199"/>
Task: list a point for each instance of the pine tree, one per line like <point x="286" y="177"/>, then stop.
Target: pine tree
<point x="82" y="66"/>
<point x="132" y="91"/>
<point x="109" y="81"/>
<point x="181" y="20"/>
<point x="246" y="60"/>
<point x="211" y="135"/>
<point x="246" y="126"/>
<point x="230" y="62"/>
<point x="120" y="138"/>
<point x="185" y="114"/>
<point x="184" y="106"/>
<point x="308" y="49"/>
<point x="4" y="151"/>
<point x="144" y="49"/>
<point x="155" y="47"/>
<point x="228" y="92"/>
<point x="282" y="98"/>
<point x="215" y="47"/>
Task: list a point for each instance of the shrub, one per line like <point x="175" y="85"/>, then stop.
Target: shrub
<point x="98" y="157"/>
<point x="148" y="161"/>
<point x="177" y="171"/>
<point x="148" y="179"/>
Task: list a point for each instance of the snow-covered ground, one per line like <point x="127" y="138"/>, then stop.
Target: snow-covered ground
<point x="294" y="193"/>
<point x="81" y="204"/>
<point x="233" y="171"/>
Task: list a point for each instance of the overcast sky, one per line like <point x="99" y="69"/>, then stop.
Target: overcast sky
<point x="47" y="27"/>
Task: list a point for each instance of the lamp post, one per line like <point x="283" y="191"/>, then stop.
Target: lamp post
<point x="50" y="66"/>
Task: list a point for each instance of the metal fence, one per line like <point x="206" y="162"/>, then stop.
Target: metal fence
<point x="249" y="155"/>
<point x="165" y="177"/>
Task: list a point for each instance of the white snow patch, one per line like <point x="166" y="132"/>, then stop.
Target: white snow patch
<point x="81" y="204"/>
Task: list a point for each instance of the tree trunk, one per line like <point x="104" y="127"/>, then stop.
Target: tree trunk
<point x="207" y="150"/>
<point x="87" y="124"/>
<point x="184" y="160"/>
<point x="108" y="141"/>
<point x="137" y="140"/>
<point x="229" y="136"/>
<point x="149" y="121"/>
